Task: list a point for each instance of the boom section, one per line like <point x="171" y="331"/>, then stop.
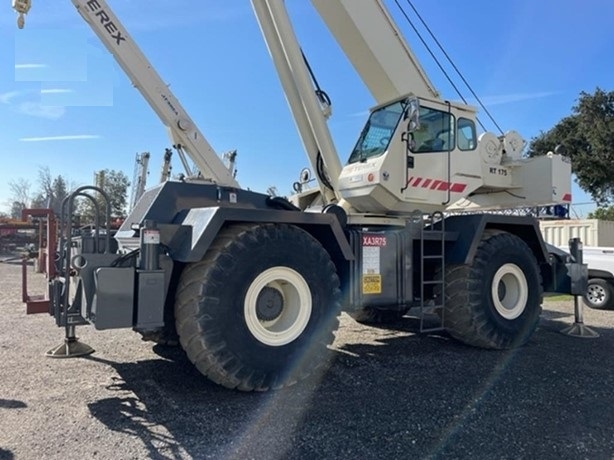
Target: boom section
<point x="375" y="46"/>
<point x="183" y="132"/>
<point x="306" y="110"/>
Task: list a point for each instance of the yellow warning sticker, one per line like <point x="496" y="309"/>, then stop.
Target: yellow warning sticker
<point x="371" y="284"/>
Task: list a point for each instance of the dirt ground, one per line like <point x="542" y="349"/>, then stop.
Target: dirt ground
<point x="387" y="393"/>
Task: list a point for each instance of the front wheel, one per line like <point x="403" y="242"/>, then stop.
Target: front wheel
<point x="259" y="311"/>
<point x="599" y="294"/>
<point x="494" y="302"/>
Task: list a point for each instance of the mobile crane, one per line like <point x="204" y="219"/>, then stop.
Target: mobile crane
<point x="139" y="179"/>
<point x="253" y="284"/>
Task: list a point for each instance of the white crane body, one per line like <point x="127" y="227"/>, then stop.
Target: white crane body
<point x="251" y="285"/>
<point x="446" y="167"/>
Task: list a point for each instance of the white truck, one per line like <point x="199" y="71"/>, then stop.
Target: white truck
<point x="600" y="292"/>
<point x="598" y="253"/>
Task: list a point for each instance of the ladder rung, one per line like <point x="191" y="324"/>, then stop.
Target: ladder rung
<point x="433" y="329"/>
<point x="431" y="308"/>
<point x="435" y="282"/>
<point x="438" y="256"/>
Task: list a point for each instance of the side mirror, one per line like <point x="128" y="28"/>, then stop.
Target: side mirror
<point x="412" y="113"/>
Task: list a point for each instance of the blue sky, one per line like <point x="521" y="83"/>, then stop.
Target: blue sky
<point x="64" y="103"/>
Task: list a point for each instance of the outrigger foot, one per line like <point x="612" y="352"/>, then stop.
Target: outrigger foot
<point x="580" y="330"/>
<point x="71" y="348"/>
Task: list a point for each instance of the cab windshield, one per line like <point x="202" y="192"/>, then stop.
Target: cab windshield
<point x="378" y="131"/>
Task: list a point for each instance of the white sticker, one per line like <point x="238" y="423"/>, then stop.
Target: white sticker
<point x="151" y="237"/>
<point x="370" y="260"/>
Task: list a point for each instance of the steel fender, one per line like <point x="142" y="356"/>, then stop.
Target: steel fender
<point x="600" y="274"/>
<point x="198" y="228"/>
<point x="470" y="229"/>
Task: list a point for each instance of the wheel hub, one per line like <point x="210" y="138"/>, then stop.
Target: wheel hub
<point x="509" y="291"/>
<point x="269" y="304"/>
<point x="596" y="294"/>
<point x="277" y="306"/>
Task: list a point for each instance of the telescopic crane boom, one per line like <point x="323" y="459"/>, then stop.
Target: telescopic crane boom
<point x="184" y="133"/>
<point x="376" y="48"/>
<point x="139" y="181"/>
<point x="307" y="112"/>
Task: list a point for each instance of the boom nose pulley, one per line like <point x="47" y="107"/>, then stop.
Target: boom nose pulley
<point x="21" y="7"/>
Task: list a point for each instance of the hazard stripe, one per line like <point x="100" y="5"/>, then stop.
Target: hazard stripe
<point x="439" y="185"/>
<point x="458" y="188"/>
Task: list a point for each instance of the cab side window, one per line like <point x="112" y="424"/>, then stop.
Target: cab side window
<point x="436" y="131"/>
<point x="466" y="134"/>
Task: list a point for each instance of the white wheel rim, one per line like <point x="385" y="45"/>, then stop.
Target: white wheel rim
<point x="295" y="311"/>
<point x="509" y="280"/>
<point x="596" y="294"/>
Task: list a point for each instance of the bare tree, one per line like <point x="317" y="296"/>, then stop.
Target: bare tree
<point x="20" y="196"/>
<point x="52" y="190"/>
<point x="45" y="183"/>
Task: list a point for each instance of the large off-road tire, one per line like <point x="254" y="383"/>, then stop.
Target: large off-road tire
<point x="599" y="294"/>
<point x="259" y="311"/>
<point x="496" y="301"/>
<point x="372" y="315"/>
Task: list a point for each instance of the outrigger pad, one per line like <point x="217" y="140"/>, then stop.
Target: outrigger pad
<point x="71" y="348"/>
<point x="580" y="330"/>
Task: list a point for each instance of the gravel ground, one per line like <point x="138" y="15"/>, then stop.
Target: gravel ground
<point x="388" y="393"/>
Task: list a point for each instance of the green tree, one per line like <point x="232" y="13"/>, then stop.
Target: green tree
<point x="602" y="213"/>
<point x="588" y="137"/>
<point x="115" y="184"/>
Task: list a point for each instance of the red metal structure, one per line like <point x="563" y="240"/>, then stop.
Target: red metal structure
<point x="46" y="257"/>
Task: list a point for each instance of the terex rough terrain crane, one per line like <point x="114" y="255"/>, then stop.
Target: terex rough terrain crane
<point x="253" y="284"/>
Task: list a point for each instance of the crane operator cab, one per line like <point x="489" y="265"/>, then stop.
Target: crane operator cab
<point x="425" y="154"/>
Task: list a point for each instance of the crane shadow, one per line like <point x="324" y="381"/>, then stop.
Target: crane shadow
<point x="6" y="454"/>
<point x="398" y="395"/>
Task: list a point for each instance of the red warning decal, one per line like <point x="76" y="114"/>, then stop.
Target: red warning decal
<point x="432" y="184"/>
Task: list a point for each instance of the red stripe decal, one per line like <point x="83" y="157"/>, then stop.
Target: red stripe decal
<point x="426" y="183"/>
<point x="458" y="188"/>
<point x="567" y="197"/>
<point x="443" y="186"/>
<point x="435" y="184"/>
<point x="417" y="182"/>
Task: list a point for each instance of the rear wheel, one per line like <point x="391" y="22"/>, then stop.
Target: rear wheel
<point x="496" y="301"/>
<point x="259" y="311"/>
<point x="599" y="294"/>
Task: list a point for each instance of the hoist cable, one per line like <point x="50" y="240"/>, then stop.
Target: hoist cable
<point x="447" y="56"/>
